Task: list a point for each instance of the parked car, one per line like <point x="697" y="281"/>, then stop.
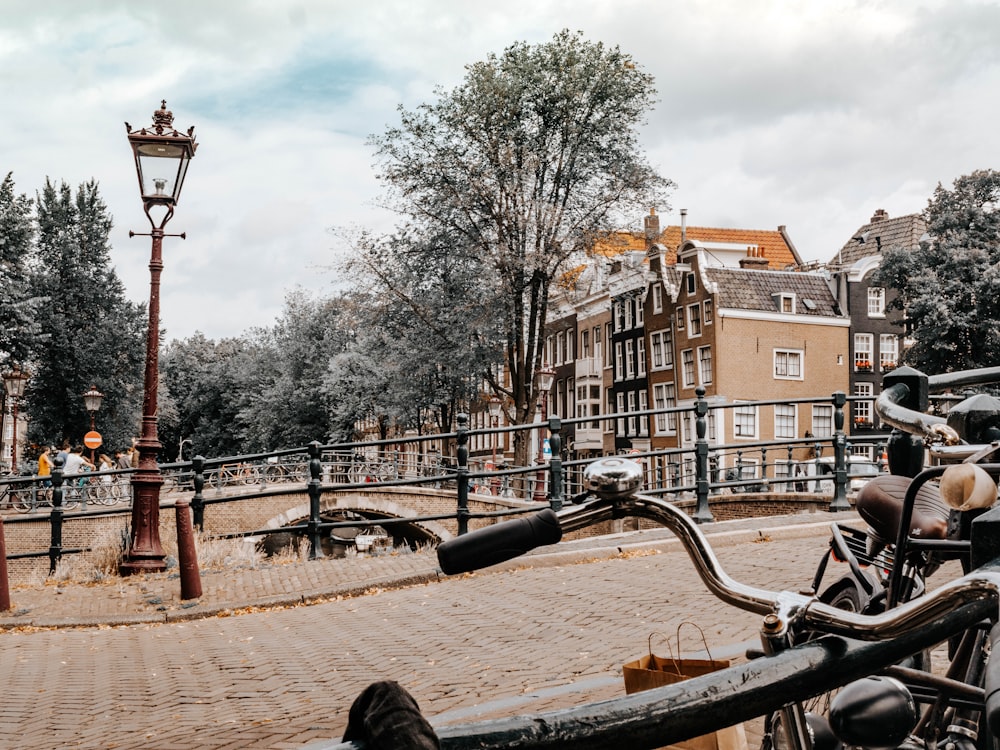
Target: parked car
<point x="818" y="476"/>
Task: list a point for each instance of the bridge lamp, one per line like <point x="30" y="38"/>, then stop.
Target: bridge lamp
<point x="545" y="377"/>
<point x="162" y="155"/>
<point x="14" y="382"/>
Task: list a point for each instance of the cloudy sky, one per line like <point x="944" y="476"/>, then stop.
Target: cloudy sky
<point x="807" y="113"/>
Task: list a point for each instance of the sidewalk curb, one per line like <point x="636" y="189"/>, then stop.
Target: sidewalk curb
<point x="595" y="549"/>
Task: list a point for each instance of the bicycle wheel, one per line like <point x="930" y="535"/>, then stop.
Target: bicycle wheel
<point x="22" y="500"/>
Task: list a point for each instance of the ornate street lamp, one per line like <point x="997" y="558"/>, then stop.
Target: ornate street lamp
<point x="14" y="382"/>
<point x="92" y="402"/>
<point x="545" y="378"/>
<point x="162" y="155"/>
<point x="495" y="405"/>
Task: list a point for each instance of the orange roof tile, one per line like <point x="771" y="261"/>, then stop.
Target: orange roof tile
<point x="773" y="243"/>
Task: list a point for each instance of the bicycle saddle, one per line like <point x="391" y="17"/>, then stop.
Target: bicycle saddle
<point x="880" y="504"/>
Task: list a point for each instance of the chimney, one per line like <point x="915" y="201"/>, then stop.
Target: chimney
<point x="879" y="215"/>
<point x="754" y="260"/>
<point x="652" y="228"/>
<point x="684" y="224"/>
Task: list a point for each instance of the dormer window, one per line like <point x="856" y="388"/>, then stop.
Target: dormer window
<point x="785" y="302"/>
<point x="689" y="282"/>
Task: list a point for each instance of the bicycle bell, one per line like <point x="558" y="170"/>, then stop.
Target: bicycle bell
<point x="613" y="477"/>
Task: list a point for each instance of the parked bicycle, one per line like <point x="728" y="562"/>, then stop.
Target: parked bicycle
<point x="810" y="647"/>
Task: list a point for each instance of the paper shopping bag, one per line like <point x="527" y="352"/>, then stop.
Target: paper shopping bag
<point x="652" y="671"/>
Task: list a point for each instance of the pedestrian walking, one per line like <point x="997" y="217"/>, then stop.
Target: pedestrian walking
<point x="76" y="464"/>
<point x="45" y="466"/>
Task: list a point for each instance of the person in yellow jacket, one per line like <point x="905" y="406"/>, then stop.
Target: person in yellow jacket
<point x="45" y="466"/>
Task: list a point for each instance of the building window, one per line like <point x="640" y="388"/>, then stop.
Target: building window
<point x="560" y="344"/>
<point x="863" y="408"/>
<point x="585" y="344"/>
<point x="784" y="421"/>
<point x="631" y="410"/>
<point x="619" y="362"/>
<point x="657" y="298"/>
<point x="888" y="351"/>
<point x="597" y="343"/>
<point x="620" y="397"/>
<point x="786" y="303"/>
<point x="687" y="367"/>
<point x="627" y="304"/>
<point x="708" y="311"/>
<point x="643" y="406"/>
<point x="876" y="302"/>
<point x="787" y="364"/>
<point x="640" y="355"/>
<point x="822" y="420"/>
<point x="689" y="282"/>
<point x="664" y="397"/>
<point x="745" y="420"/>
<point x="694" y="320"/>
<point x="680" y="318"/>
<point x="630" y="359"/>
<point x="863" y="352"/>
<point x="662" y="350"/>
<point x="570" y="342"/>
<point x="638" y="313"/>
<point x="705" y="364"/>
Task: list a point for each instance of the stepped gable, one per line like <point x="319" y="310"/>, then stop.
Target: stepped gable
<point x="743" y="289"/>
<point x="880" y="234"/>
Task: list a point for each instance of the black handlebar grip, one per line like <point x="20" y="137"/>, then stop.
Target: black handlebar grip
<point x="992" y="683"/>
<point x="497" y="543"/>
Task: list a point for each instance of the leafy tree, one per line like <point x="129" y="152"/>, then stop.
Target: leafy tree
<point x="291" y="405"/>
<point x="19" y="331"/>
<point x="94" y="335"/>
<point x="517" y="169"/>
<point x="950" y="289"/>
<point x="207" y="386"/>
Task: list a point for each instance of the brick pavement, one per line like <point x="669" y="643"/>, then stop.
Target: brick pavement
<point x="127" y="664"/>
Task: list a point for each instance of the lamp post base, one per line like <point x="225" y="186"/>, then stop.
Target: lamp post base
<point x="145" y="555"/>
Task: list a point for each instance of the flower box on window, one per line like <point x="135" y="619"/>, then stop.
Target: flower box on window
<point x="863" y="423"/>
<point x="887" y="366"/>
<point x="863" y="365"/>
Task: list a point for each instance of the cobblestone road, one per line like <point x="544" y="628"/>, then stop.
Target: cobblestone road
<point x="468" y="647"/>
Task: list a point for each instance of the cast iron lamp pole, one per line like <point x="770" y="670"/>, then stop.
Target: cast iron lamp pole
<point x="161" y="155"/>
<point x="494" y="423"/>
<point x="14" y="382"/>
<point x="545" y="377"/>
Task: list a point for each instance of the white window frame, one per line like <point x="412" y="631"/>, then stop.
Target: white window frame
<point x="694" y="320"/>
<point x="680" y="318"/>
<point x="863" y="409"/>
<point x="822" y="414"/>
<point x="743" y="411"/>
<point x="632" y="429"/>
<point x="706" y="372"/>
<point x="662" y="349"/>
<point x="643" y="406"/>
<point x="688" y="372"/>
<point x="863" y="351"/>
<point x="786" y="421"/>
<point x="629" y="359"/>
<point x="888" y="351"/>
<point x="620" y="403"/>
<point x="665" y="397"/>
<point x="657" y="298"/>
<point x="783" y="364"/>
<point x="876" y="302"/>
<point x="709" y="312"/>
<point x="619" y="361"/>
<point x="640" y="357"/>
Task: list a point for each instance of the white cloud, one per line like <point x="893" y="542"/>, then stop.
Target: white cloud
<point x="792" y="112"/>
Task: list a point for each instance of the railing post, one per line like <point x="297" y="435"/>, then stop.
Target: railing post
<point x="555" y="463"/>
<point x="702" y="513"/>
<point x="462" y="472"/>
<point x="198" y="501"/>
<point x="315" y="489"/>
<point x="839" y="501"/>
<point x="4" y="580"/>
<point x="56" y="517"/>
